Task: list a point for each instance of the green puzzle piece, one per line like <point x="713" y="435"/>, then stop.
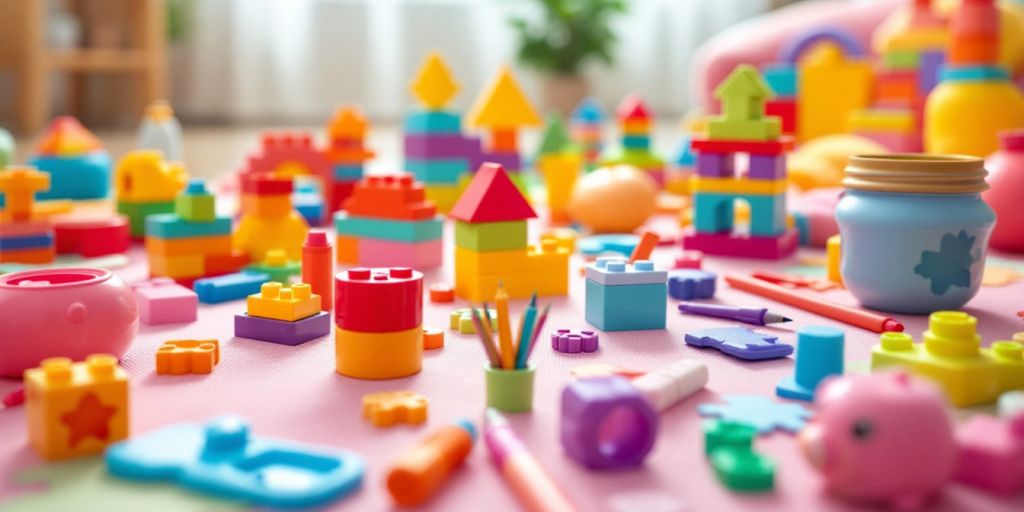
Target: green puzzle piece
<point x="84" y="484"/>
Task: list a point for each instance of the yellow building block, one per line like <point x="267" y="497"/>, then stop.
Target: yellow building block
<point x="831" y="87"/>
<point x="549" y="256"/>
<point x="952" y="357"/>
<point x="177" y="267"/>
<point x="75" y="409"/>
<point x="880" y="120"/>
<point x="434" y="86"/>
<point x="479" y="288"/>
<point x="257" y="235"/>
<point x="502" y="105"/>
<point x="275" y="205"/>
<point x="143" y="176"/>
<point x="560" y="171"/>
<point x="199" y="246"/>
<point x="833" y="251"/>
<point x="386" y="408"/>
<point x="285" y="304"/>
<point x="462" y="320"/>
<point x="444" y="196"/>
<point x="183" y="357"/>
<point x="738" y="186"/>
<point x="378" y="355"/>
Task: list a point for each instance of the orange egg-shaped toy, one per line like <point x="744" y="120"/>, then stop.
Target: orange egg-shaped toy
<point x="615" y="199"/>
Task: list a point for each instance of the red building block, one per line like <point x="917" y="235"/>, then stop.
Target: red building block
<point x="391" y="197"/>
<point x="769" y="147"/>
<point x="784" y="109"/>
<point x="491" y="197"/>
<point x="378" y="300"/>
<point x="91" y="236"/>
<point x="265" y="184"/>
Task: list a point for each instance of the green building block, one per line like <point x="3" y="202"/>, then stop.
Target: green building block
<point x="277" y="266"/>
<point x="491" y="236"/>
<point x="195" y="204"/>
<point x="905" y="60"/>
<point x="641" y="158"/>
<point x="743" y="470"/>
<point x="720" y="434"/>
<point x="6" y="148"/>
<point x="767" y="128"/>
<point x="462" y="320"/>
<point x="137" y="213"/>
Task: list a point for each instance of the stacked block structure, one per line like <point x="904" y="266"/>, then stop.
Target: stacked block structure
<point x="24" y="239"/>
<point x="347" y="154"/>
<point x="193" y="241"/>
<point x="287" y="316"/>
<point x="268" y="219"/>
<point x="379" y="322"/>
<point x="623" y="296"/>
<point x="503" y="109"/>
<point x="742" y="128"/>
<point x="145" y="184"/>
<point x="635" y="149"/>
<point x="560" y="163"/>
<point x="585" y="129"/>
<point x="389" y="222"/>
<point x="436" y="151"/>
<point x="79" y="167"/>
<point x="490" y="243"/>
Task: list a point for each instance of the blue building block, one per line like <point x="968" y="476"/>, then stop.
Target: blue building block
<point x="616" y="270"/>
<point x="819" y="354"/>
<point x="600" y="244"/>
<point x="630" y="307"/>
<point x="237" y="286"/>
<point x="432" y="121"/>
<point x="344" y="172"/>
<point x="636" y="142"/>
<point x="75" y="177"/>
<point x="26" y="242"/>
<point x="402" y="231"/>
<point x="441" y="171"/>
<point x="759" y="412"/>
<point x="309" y="204"/>
<point x="689" y="284"/>
<point x="714" y="213"/>
<point x="782" y="78"/>
<point x="973" y="74"/>
<point x="740" y="342"/>
<point x="803" y="227"/>
<point x="686" y="158"/>
<point x="169" y="225"/>
<point x="589" y="111"/>
<point x="222" y="458"/>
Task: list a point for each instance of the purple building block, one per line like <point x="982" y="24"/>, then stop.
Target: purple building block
<point x="740" y="342"/>
<point x="438" y="145"/>
<point x="689" y="284"/>
<point x="282" y="332"/>
<point x="928" y="75"/>
<point x="566" y="341"/>
<point x="512" y="162"/>
<point x="716" y="165"/>
<point x="595" y="432"/>
<point x="767" y="167"/>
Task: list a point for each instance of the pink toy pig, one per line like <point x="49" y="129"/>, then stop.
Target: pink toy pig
<point x="881" y="438"/>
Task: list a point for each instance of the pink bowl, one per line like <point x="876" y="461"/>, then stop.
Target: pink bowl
<point x="69" y="312"/>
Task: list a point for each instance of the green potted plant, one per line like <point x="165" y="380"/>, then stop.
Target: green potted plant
<point x="562" y="37"/>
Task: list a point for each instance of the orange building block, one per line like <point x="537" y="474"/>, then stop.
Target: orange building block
<point x="433" y="338"/>
<point x="177" y="267"/>
<point x="390" y="197"/>
<point x="40" y="255"/>
<point x="441" y="293"/>
<point x="504" y="141"/>
<point x="348" y="249"/>
<point x="975" y="49"/>
<point x="75" y="409"/>
<point x="182" y="357"/>
<point x="19" y="186"/>
<point x="387" y="408"/>
<point x="226" y="263"/>
<point x="200" y="246"/>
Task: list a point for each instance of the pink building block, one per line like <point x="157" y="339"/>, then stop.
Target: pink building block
<point x="992" y="454"/>
<point x="818" y="207"/>
<point x="162" y="301"/>
<point x="389" y="253"/>
<point x="896" y="142"/>
<point x="757" y="247"/>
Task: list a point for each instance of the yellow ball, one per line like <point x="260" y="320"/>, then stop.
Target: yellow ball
<point x="616" y="199"/>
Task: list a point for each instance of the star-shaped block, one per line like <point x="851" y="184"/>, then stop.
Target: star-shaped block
<point x="760" y="412"/>
<point x="386" y="408"/>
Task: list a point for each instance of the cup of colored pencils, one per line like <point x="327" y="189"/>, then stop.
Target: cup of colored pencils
<point x="508" y="371"/>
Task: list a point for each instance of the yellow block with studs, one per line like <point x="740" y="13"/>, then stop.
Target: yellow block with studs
<point x="286" y="304"/>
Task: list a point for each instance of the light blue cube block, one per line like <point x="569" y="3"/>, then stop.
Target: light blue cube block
<point x="631" y="307"/>
<point x="402" y="231"/>
<point x="432" y="121"/>
<point x="445" y="171"/>
<point x="714" y="213"/>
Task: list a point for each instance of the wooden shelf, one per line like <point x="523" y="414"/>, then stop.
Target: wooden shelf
<point x="97" y="60"/>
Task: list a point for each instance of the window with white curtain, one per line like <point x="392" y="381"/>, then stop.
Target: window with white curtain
<point x="294" y="60"/>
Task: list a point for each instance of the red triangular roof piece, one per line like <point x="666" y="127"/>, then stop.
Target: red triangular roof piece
<point x="491" y="197"/>
<point x="632" y="107"/>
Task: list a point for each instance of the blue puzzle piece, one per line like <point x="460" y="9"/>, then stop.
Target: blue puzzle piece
<point x="237" y="286"/>
<point x="759" y="412"/>
<point x="740" y="342"/>
<point x="599" y="244"/>
<point x="689" y="284"/>
<point x="222" y="458"/>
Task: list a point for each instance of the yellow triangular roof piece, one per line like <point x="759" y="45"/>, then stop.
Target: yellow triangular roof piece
<point x="502" y="105"/>
<point x="434" y="85"/>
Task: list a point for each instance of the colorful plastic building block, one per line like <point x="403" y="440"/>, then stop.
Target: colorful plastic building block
<point x="91" y="235"/>
<point x="283" y="332"/>
<point x="22" y="239"/>
<point x="183" y="357"/>
<point x="386" y="408"/>
<point x="568" y="342"/>
<point x="276" y="265"/>
<point x="162" y="301"/>
<point x="819" y="355"/>
<point x="632" y="298"/>
<point x="740" y="342"/>
<point x="601" y="244"/>
<point x="952" y="357"/>
<point x="378" y="355"/>
<point x="729" y="447"/>
<point x="822" y="72"/>
<point x="634" y="149"/>
<point x="268" y="219"/>
<point x="689" y="284"/>
<point x="758" y="411"/>
<point x="146" y="184"/>
<point x="75" y="409"/>
<point x="195" y="203"/>
<point x="990" y="453"/>
<point x="433" y="338"/>
<point x="491" y="197"/>
<point x="434" y="86"/>
<point x="587" y="405"/>
<point x="441" y="293"/>
<point x="78" y="165"/>
<point x="222" y="458"/>
<point x="614" y="271"/>
<point x="503" y="109"/>
<point x="317" y="267"/>
<point x="286" y="304"/>
<point x="214" y="290"/>
<point x="743" y="95"/>
<point x="462" y="320"/>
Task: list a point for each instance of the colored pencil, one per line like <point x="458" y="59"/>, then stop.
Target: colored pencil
<point x="487" y="322"/>
<point x="504" y="334"/>
<point x="485" y="338"/>
<point x="529" y="318"/>
<point x="536" y="332"/>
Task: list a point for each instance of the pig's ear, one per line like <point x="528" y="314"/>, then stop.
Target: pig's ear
<point x="901" y="378"/>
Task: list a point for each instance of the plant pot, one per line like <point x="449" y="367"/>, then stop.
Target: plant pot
<point x="563" y="92"/>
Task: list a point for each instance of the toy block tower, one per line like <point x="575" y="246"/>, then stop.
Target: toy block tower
<point x="22" y="239"/>
<point x="76" y="409"/>
<point x="635" y="149"/>
<point x="585" y="127"/>
<point x="389" y="222"/>
<point x="268" y="219"/>
<point x="626" y="297"/>
<point x="294" y="156"/>
<point x="79" y="167"/>
<point x="347" y="153"/>
<point x="145" y="184"/>
<point x="503" y="109"/>
<point x="287" y="316"/>
<point x="436" y="151"/>
<point x="193" y="241"/>
<point x="490" y="243"/>
<point x="559" y="163"/>
<point x="742" y="128"/>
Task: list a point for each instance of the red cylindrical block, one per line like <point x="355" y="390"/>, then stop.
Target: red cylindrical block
<point x="378" y="300"/>
<point x="318" y="267"/>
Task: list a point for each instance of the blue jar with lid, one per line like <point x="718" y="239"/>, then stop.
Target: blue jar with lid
<point x="914" y="231"/>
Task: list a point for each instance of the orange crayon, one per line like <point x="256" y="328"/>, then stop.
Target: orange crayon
<point x="318" y="268"/>
<point x="419" y="472"/>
